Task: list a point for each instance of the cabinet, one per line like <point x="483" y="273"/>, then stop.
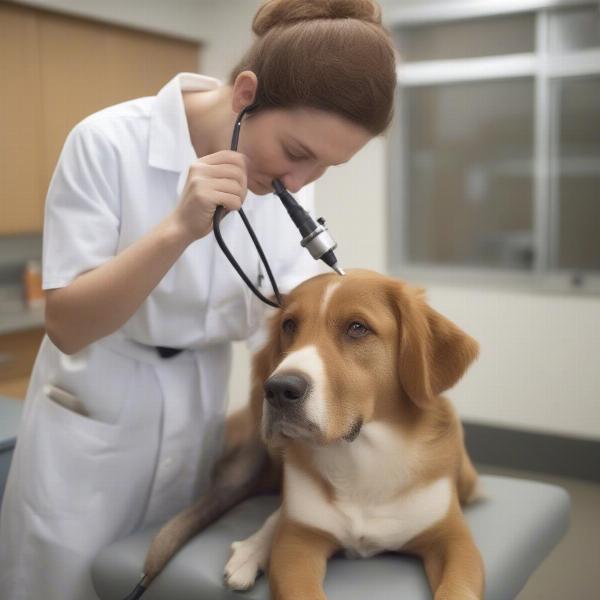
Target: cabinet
<point x="21" y="194"/>
<point x="54" y="71"/>
<point x="17" y="355"/>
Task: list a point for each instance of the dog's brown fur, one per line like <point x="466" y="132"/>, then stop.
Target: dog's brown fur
<point x="410" y="356"/>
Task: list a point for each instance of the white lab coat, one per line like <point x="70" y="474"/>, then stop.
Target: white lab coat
<point x="153" y="426"/>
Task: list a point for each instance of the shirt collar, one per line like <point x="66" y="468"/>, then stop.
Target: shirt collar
<point x="170" y="143"/>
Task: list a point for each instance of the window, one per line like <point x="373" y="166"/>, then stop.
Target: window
<point x="577" y="177"/>
<point x="470" y="173"/>
<point x="464" y="39"/>
<point x="495" y="152"/>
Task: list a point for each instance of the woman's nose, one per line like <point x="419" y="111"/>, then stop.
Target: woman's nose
<point x="300" y="177"/>
<point x="293" y="182"/>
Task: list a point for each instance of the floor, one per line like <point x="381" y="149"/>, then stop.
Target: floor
<point x="572" y="571"/>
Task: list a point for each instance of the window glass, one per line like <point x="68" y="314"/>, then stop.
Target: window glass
<point x="574" y="29"/>
<point x="469" y="174"/>
<point x="578" y="173"/>
<point x="465" y="39"/>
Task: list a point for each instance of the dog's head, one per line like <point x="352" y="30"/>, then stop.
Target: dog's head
<point x="343" y="351"/>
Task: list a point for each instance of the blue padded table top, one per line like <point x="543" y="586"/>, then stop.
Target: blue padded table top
<point x="515" y="528"/>
<point x="10" y="417"/>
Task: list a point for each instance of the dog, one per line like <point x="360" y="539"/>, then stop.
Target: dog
<point x="346" y="420"/>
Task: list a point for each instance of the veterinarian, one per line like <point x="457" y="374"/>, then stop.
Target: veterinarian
<point x="126" y="402"/>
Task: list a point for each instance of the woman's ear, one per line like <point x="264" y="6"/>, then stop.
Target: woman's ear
<point x="244" y="90"/>
<point x="433" y="352"/>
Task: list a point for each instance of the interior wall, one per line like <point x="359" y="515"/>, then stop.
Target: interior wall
<point x="539" y="351"/>
<point x="538" y="368"/>
<point x="183" y="18"/>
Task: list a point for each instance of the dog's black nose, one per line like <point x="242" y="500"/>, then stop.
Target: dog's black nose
<point x="284" y="390"/>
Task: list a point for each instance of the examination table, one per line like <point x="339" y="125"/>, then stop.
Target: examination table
<point x="515" y="528"/>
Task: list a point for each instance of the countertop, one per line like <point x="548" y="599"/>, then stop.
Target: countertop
<point x="11" y="410"/>
<point x="14" y="315"/>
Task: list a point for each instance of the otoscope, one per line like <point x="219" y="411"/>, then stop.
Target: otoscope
<point x="314" y="233"/>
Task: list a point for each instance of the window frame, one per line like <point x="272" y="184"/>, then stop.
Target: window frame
<point x="544" y="68"/>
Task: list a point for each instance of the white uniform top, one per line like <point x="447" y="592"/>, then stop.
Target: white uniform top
<point x="152" y="430"/>
<point x="121" y="172"/>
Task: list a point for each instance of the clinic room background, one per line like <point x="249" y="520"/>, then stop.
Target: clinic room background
<point x="485" y="191"/>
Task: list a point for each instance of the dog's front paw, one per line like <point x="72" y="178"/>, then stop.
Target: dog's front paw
<point x="247" y="560"/>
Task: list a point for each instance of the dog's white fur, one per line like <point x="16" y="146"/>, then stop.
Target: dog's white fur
<point x="368" y="516"/>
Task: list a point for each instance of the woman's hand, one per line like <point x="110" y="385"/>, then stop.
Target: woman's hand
<point x="213" y="180"/>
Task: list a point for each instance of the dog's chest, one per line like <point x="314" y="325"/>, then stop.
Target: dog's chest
<point x="370" y="513"/>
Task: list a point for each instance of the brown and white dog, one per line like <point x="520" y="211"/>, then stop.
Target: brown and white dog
<point x="346" y="418"/>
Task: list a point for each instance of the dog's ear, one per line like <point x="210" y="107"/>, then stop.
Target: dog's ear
<point x="433" y="352"/>
<point x="265" y="359"/>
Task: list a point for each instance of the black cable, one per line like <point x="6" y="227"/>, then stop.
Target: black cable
<point x="136" y="593"/>
<point x="139" y="589"/>
<point x="219" y="213"/>
<point x="216" y="219"/>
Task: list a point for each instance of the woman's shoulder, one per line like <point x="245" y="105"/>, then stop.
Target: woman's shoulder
<point x="131" y="115"/>
<point x="113" y="126"/>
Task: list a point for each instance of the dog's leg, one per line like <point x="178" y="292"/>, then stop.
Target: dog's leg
<point x="298" y="562"/>
<point x="250" y="556"/>
<point x="452" y="561"/>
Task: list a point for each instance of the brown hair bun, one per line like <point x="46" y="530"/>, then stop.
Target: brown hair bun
<point x="330" y="55"/>
<point x="284" y="12"/>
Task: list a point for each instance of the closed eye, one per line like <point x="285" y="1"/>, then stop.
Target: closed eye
<point x="292" y="156"/>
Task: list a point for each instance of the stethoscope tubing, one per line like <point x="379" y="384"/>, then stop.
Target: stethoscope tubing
<point x="220" y="213"/>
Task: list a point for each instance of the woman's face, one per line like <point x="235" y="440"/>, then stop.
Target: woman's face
<point x="296" y="146"/>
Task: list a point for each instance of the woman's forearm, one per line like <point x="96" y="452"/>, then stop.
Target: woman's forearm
<point x="100" y="301"/>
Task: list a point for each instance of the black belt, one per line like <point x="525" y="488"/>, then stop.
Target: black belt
<point x="166" y="352"/>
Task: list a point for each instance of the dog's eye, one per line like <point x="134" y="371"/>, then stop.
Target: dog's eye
<point x="289" y="326"/>
<point x="357" y="330"/>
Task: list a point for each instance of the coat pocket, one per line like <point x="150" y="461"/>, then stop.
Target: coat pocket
<point x="57" y="406"/>
<point x="95" y="383"/>
<point x="70" y="461"/>
<point x="66" y="399"/>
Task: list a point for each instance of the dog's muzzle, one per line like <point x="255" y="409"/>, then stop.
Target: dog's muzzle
<point x="286" y="395"/>
<point x="286" y="391"/>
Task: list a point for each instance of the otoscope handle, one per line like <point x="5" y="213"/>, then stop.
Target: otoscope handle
<point x="315" y="237"/>
<point x="304" y="222"/>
